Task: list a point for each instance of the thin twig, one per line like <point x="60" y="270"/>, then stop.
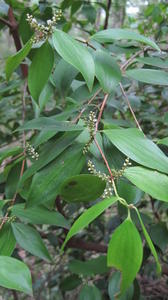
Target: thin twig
<point x="6" y="22"/>
<point x="130" y="60"/>
<point x="84" y="108"/>
<point x="101" y="111"/>
<point x="86" y="43"/>
<point x="130" y="108"/>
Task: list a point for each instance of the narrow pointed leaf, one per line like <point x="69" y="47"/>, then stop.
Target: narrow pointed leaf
<point x="107" y="71"/>
<point x="149" y="241"/>
<point x="39" y="215"/>
<point x="125" y="252"/>
<point x="75" y="54"/>
<point x="136" y="146"/>
<point x="46" y="184"/>
<point x="7" y="240"/>
<point x="14" y="61"/>
<point x="40" y="70"/>
<point x="15" y="275"/>
<point x="29" y="239"/>
<point x="151" y="182"/>
<point x="87" y="217"/>
<point x="109" y="35"/>
<point x="149" y="76"/>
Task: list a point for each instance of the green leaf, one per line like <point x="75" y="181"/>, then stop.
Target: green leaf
<point x="15" y="275"/>
<point x="129" y="192"/>
<point x="109" y="35"/>
<point x="39" y="215"/>
<point x="40" y="70"/>
<point x="7" y="240"/>
<point x="82" y="188"/>
<point x="114" y="287"/>
<point x="150" y="244"/>
<point x="30" y="240"/>
<point x="136" y="146"/>
<point x="4" y="153"/>
<point x="46" y="184"/>
<point x="75" y="54"/>
<point x="91" y="267"/>
<point x="163" y="141"/>
<point x="125" y="252"/>
<point x="153" y="61"/>
<point x="87" y="217"/>
<point x="151" y="182"/>
<point x="50" y="151"/>
<point x="90" y="292"/>
<point x="159" y="235"/>
<point x="107" y="71"/>
<point x="49" y="123"/>
<point x="63" y="76"/>
<point x="149" y="76"/>
<point x="14" y="61"/>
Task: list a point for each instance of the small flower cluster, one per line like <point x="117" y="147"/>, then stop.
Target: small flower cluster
<point x="91" y="123"/>
<point x="108" y="192"/>
<point x="109" y="185"/>
<point x="119" y="173"/>
<point x="32" y="152"/>
<point x="41" y="31"/>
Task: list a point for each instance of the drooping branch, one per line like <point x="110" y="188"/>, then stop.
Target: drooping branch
<point x="13" y="26"/>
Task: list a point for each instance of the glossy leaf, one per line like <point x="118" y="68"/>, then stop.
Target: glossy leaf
<point x="40" y="70"/>
<point x="49" y="123"/>
<point x="15" y="60"/>
<point x="107" y="71"/>
<point x="163" y="141"/>
<point x="125" y="252"/>
<point x="29" y="239"/>
<point x="7" y="240"/>
<point x="151" y="182"/>
<point x="50" y="151"/>
<point x="153" y="61"/>
<point x="136" y="146"/>
<point x="82" y="188"/>
<point x="75" y="54"/>
<point x="90" y="292"/>
<point x="109" y="35"/>
<point x="149" y="241"/>
<point x="114" y="287"/>
<point x="46" y="183"/>
<point x="39" y="215"/>
<point x="4" y="153"/>
<point x="149" y="76"/>
<point x="88" y="216"/>
<point x="15" y="275"/>
<point x="90" y="267"/>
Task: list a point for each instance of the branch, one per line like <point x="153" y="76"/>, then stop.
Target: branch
<point x="15" y="34"/>
<point x="89" y="246"/>
<point x="84" y="108"/>
<point x="107" y="14"/>
<point x="5" y="22"/>
<point x="130" y="108"/>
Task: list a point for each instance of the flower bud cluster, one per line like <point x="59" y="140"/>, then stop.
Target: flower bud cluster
<point x="31" y="151"/>
<point x="42" y="32"/>
<point x="90" y="123"/>
<point x="109" y="185"/>
<point x="119" y="173"/>
<point x="108" y="192"/>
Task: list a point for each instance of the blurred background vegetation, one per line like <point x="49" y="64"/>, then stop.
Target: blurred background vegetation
<point x="83" y="18"/>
